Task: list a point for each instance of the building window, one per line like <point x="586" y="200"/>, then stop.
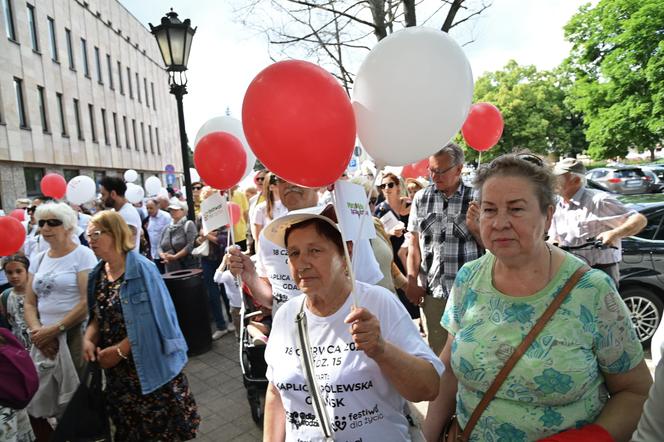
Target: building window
<point x="32" y="24"/>
<point x="52" y="40"/>
<point x="70" y="174"/>
<point x="33" y="177"/>
<point x="93" y="125"/>
<point x="131" y="90"/>
<point x="115" y="129"/>
<point x="100" y="79"/>
<point x="133" y="125"/>
<point x="150" y="134"/>
<point x="9" y="20"/>
<point x="154" y="102"/>
<point x="145" y="146"/>
<point x="138" y="88"/>
<point x="61" y="111"/>
<point x="126" y="130"/>
<point x="156" y="138"/>
<point x="120" y="78"/>
<point x="77" y="117"/>
<point x="43" y="113"/>
<point x="70" y="51"/>
<point x="104" y="126"/>
<point x="145" y="89"/>
<point x="110" y="72"/>
<point x="20" y="103"/>
<point x="84" y="56"/>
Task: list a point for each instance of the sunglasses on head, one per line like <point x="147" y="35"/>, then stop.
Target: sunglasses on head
<point x="533" y="159"/>
<point x="51" y="222"/>
<point x="389" y="185"/>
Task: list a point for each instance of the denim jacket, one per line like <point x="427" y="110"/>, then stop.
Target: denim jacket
<point x="157" y="344"/>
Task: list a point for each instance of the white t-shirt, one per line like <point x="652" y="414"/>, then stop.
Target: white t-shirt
<point x="361" y="403"/>
<point x="131" y="216"/>
<point x="260" y="216"/>
<point x="230" y="285"/>
<point x="55" y="284"/>
<point x="273" y="264"/>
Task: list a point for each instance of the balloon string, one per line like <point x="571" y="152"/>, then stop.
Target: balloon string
<point x="230" y="237"/>
<point x="349" y="263"/>
<point x="479" y="161"/>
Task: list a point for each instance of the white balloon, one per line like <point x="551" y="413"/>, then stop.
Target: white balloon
<point x="130" y="176"/>
<point x="134" y="193"/>
<point x="411" y="95"/>
<point x="162" y="193"/>
<point x="232" y="126"/>
<point x="81" y="189"/>
<point x="152" y="186"/>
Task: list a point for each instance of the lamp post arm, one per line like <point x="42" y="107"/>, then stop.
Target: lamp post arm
<point x="179" y="91"/>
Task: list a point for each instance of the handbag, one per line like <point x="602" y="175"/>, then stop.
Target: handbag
<point x="17" y="371"/>
<point x="85" y="418"/>
<point x="452" y="431"/>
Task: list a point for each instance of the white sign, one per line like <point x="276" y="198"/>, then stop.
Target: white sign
<point x="353" y="211"/>
<point x="214" y="212"/>
<point x="390" y="222"/>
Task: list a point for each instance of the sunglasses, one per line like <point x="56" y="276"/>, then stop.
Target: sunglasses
<point x="94" y="236"/>
<point x="389" y="185"/>
<point x="31" y="209"/>
<point x="534" y="159"/>
<point x="260" y="179"/>
<point x="51" y="222"/>
<point x="196" y="187"/>
<point x="433" y="172"/>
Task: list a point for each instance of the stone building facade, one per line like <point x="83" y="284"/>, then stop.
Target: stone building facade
<point x="83" y="91"/>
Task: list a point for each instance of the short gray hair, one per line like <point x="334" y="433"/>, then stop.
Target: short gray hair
<point x="454" y="151"/>
<point x="59" y="211"/>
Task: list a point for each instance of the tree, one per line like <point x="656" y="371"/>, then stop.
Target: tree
<point x="617" y="60"/>
<point x="534" y="108"/>
<point x="337" y="34"/>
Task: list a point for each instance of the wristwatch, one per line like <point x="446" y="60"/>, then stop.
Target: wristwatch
<point x="61" y="327"/>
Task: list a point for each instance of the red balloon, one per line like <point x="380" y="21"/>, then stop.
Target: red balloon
<point x="18" y="214"/>
<point x="416" y="170"/>
<point x="235" y="211"/>
<point x="299" y="122"/>
<point x="54" y="185"/>
<point x="12" y="233"/>
<point x="483" y="127"/>
<point x="220" y="160"/>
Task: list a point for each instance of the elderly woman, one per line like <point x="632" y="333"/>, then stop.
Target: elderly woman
<point x="368" y="357"/>
<point x="55" y="297"/>
<point x="177" y="240"/>
<point x="584" y="374"/>
<point x="134" y="334"/>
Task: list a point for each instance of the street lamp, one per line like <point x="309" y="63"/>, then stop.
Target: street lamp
<point x="174" y="40"/>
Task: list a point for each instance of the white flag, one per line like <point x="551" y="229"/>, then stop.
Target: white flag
<point x="353" y="211"/>
<point x="214" y="212"/>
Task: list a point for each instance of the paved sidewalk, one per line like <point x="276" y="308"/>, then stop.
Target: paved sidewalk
<point x="216" y="381"/>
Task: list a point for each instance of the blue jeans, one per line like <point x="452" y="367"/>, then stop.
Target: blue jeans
<point x="214" y="292"/>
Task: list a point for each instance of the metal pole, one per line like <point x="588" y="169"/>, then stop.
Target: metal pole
<point x="179" y="91"/>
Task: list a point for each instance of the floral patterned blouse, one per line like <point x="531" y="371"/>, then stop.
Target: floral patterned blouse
<point x="558" y="384"/>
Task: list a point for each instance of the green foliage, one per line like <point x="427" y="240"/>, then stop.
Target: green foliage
<point x="617" y="60"/>
<point x="535" y="110"/>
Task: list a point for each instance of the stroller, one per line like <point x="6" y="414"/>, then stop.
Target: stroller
<point x="252" y="360"/>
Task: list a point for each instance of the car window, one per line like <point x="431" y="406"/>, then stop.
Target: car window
<point x="654" y="228"/>
<point x="628" y="173"/>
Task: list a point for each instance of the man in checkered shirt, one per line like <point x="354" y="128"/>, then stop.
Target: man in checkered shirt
<point x="442" y="241"/>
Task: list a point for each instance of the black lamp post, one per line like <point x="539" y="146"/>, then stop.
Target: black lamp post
<point x="174" y="40"/>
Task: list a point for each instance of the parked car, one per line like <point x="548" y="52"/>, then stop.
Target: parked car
<point x="642" y="267"/>
<point x="625" y="180"/>
<point x="656" y="175"/>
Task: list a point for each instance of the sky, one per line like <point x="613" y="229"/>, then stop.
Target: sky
<point x="226" y="55"/>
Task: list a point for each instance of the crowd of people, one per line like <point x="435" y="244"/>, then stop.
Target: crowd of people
<point x="435" y="308"/>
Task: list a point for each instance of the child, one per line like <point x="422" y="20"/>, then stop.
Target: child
<point x="16" y="269"/>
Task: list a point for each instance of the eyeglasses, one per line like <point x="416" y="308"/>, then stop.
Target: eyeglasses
<point x="434" y="172"/>
<point x="31" y="209"/>
<point x="389" y="185"/>
<point x="51" y="222"/>
<point x="95" y="235"/>
<point x="534" y="159"/>
<point x="196" y="187"/>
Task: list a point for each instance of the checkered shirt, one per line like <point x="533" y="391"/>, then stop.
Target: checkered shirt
<point x="445" y="242"/>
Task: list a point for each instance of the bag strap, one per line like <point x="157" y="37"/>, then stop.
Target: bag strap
<point x="521" y="350"/>
<point x="308" y="366"/>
